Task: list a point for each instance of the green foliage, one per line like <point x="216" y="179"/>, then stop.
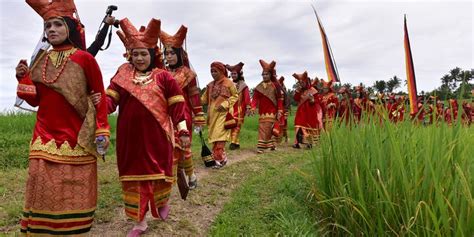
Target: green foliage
<point x="271" y="203"/>
<point x="382" y="179"/>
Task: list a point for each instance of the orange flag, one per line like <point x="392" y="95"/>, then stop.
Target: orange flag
<point x="331" y="68"/>
<point x="410" y="70"/>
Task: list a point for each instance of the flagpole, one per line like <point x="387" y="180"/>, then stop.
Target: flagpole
<point x="331" y="66"/>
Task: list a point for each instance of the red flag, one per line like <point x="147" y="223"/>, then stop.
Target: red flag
<point x="410" y="70"/>
<point x="331" y="68"/>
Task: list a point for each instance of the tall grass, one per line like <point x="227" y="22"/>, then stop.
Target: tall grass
<point x="379" y="179"/>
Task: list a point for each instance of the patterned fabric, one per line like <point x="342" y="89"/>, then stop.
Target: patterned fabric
<point x="218" y="151"/>
<point x="309" y="135"/>
<point x="234" y="134"/>
<point x="219" y="93"/>
<point x="80" y="76"/>
<point x="265" y="140"/>
<point x="186" y="163"/>
<point x="60" y="199"/>
<point x="150" y="95"/>
<point x="138" y="196"/>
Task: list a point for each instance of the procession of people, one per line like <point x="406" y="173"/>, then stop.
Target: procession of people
<point x="159" y="103"/>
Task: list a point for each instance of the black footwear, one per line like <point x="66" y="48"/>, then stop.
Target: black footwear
<point x="234" y="146"/>
<point x="193" y="183"/>
<point x="297" y="146"/>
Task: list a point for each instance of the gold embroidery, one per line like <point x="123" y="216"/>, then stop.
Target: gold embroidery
<point x="175" y="99"/>
<point x="115" y="95"/>
<point x="146" y="177"/>
<point x="27" y="89"/>
<point x="268" y="90"/>
<point x="268" y="117"/>
<point x="102" y="131"/>
<point x="51" y="148"/>
<point x="57" y="57"/>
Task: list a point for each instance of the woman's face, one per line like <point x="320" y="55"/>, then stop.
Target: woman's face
<point x="216" y="75"/>
<point x="56" y="31"/>
<point x="302" y="84"/>
<point x="171" y="57"/>
<point x="266" y="76"/>
<point x="141" y="59"/>
<point x="234" y="75"/>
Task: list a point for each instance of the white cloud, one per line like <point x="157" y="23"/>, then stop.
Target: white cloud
<point x="366" y="36"/>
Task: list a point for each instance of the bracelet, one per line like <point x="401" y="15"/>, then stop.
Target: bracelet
<point x="183" y="132"/>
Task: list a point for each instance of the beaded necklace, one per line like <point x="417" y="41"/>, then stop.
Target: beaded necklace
<point x="60" y="58"/>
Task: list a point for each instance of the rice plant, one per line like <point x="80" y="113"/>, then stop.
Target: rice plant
<point x="378" y="178"/>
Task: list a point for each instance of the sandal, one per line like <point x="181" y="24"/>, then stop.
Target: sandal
<point x="164" y="211"/>
<point x="193" y="183"/>
<point x="136" y="232"/>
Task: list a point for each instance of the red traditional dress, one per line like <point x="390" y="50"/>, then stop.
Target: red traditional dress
<point x="330" y="104"/>
<point x="267" y="98"/>
<point x="242" y="104"/>
<point x="187" y="81"/>
<point x="451" y="113"/>
<point x="345" y="106"/>
<point x="286" y="112"/>
<point x="61" y="190"/>
<point x="219" y="93"/>
<point x="149" y="108"/>
<point x="309" y="115"/>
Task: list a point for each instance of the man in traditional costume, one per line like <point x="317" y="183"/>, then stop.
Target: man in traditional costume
<point x="220" y="96"/>
<point x="61" y="190"/>
<point x="177" y="63"/>
<point x="267" y="98"/>
<point x="242" y="105"/>
<point x="150" y="104"/>
<point x="309" y="115"/>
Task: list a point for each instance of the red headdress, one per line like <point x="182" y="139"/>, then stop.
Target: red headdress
<point x="48" y="9"/>
<point x="176" y="40"/>
<point x="219" y="67"/>
<point x="143" y="38"/>
<point x="236" y="68"/>
<point x="281" y="80"/>
<point x="304" y="78"/>
<point x="56" y="8"/>
<point x="268" y="67"/>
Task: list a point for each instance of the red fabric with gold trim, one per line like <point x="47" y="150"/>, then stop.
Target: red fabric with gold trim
<point x="143" y="38"/>
<point x="176" y="40"/>
<point x="236" y="68"/>
<point x="56" y="8"/>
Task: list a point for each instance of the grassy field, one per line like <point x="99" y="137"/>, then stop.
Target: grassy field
<point x="373" y="179"/>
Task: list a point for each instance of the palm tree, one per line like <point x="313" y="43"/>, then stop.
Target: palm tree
<point x="380" y="86"/>
<point x="393" y="83"/>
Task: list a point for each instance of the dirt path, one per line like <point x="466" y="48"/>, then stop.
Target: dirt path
<point x="194" y="216"/>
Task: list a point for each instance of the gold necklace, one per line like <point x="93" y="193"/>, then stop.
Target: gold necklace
<point x="141" y="78"/>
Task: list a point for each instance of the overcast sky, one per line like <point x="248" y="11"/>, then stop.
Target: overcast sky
<point x="366" y="37"/>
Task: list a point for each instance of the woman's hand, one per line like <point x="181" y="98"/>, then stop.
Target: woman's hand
<point x="95" y="97"/>
<point x="185" y="141"/>
<point x="109" y="20"/>
<point x="21" y="69"/>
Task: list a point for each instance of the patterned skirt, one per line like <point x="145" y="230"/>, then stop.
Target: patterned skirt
<point x="60" y="199"/>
